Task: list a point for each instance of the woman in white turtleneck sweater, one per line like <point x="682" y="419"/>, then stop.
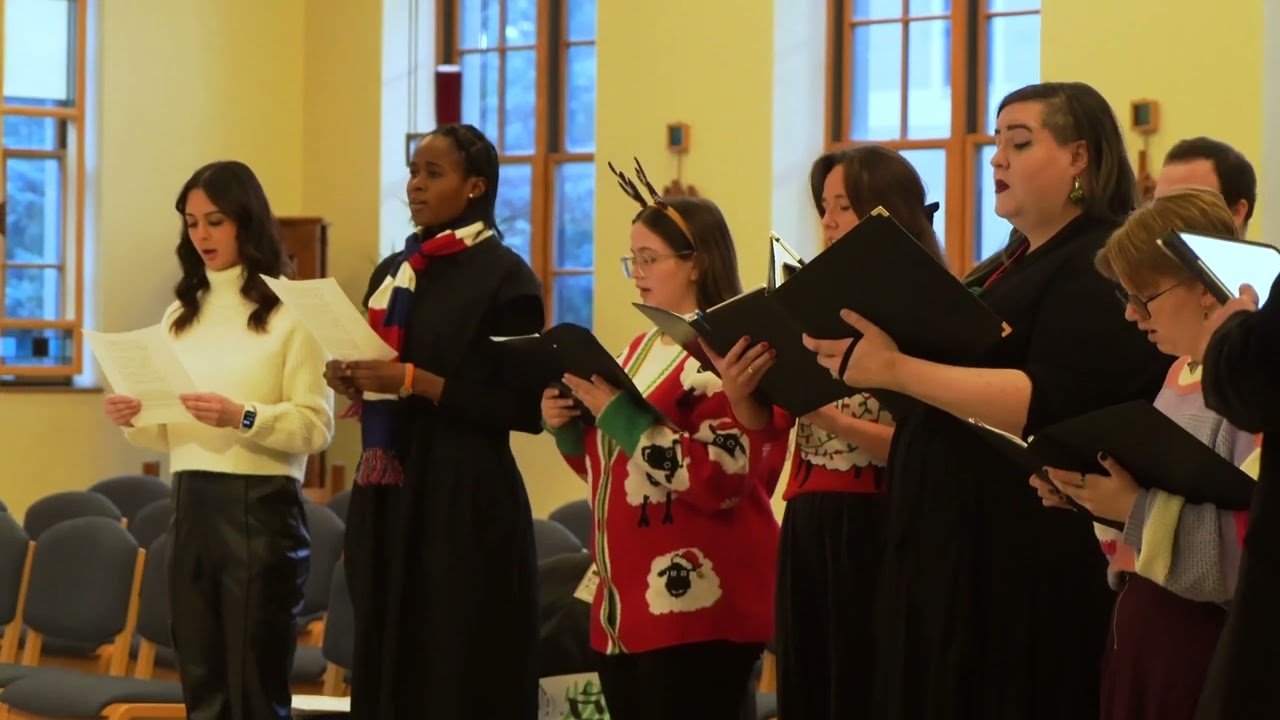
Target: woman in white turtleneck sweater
<point x="240" y="547"/>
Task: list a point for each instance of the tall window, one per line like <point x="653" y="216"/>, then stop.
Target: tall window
<point x="42" y="206"/>
<point x="529" y="82"/>
<point x="925" y="77"/>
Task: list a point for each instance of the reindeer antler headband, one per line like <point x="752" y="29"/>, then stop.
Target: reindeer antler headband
<point x="633" y="191"/>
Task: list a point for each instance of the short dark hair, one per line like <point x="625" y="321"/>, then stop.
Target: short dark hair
<point x="711" y="245"/>
<point x="233" y="188"/>
<point x="1236" y="176"/>
<point x="479" y="159"/>
<point x="1075" y="111"/>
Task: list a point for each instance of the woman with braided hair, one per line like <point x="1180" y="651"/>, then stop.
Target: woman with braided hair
<point x="683" y="533"/>
<point x="439" y="549"/>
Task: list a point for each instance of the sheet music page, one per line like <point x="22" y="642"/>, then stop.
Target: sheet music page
<point x="324" y="309"/>
<point x="304" y="705"/>
<point x="143" y="365"/>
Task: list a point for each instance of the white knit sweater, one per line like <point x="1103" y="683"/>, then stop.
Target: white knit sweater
<point x="279" y="373"/>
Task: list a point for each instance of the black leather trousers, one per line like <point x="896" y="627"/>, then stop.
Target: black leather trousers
<point x="240" y="555"/>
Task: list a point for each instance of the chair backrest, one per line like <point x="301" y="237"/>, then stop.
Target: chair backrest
<point x="131" y="493"/>
<point x="82" y="578"/>
<point x="151" y="522"/>
<point x="14" y="546"/>
<point x="552" y="539"/>
<point x="153" y="596"/>
<point x="327" y="535"/>
<point x="564" y="637"/>
<point x="339" y="645"/>
<point x="339" y="504"/>
<point x="58" y="507"/>
<point x="576" y="518"/>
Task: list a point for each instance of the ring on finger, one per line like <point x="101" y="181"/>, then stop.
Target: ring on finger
<point x="750" y="369"/>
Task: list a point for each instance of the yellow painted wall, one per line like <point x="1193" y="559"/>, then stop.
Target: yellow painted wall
<point x="295" y="88"/>
<point x="1204" y="66"/>
<point x="340" y="128"/>
<point x="177" y="84"/>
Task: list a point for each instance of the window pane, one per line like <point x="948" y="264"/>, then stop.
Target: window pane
<point x="1012" y="5"/>
<point x="876" y="97"/>
<point x="33" y="293"/>
<point x="522" y="22"/>
<point x="35" y="347"/>
<point x="34" y="211"/>
<point x="514" y="203"/>
<point x="931" y="163"/>
<point x="582" y="19"/>
<point x="928" y="7"/>
<point x="575" y="215"/>
<point x="580" y="99"/>
<point x="571" y="299"/>
<point x="520" y="111"/>
<point x="479" y="24"/>
<point x="23" y="132"/>
<point x="929" y="79"/>
<point x="1013" y="42"/>
<point x="39" y="45"/>
<point x="991" y="232"/>
<point x="480" y="88"/>
<point x="873" y="9"/>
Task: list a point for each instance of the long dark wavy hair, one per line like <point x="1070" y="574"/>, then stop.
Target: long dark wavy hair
<point x="232" y="188"/>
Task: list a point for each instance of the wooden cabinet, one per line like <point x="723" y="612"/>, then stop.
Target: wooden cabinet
<point x="306" y="241"/>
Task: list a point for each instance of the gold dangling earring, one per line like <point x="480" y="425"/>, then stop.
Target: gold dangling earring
<point x="1077" y="192"/>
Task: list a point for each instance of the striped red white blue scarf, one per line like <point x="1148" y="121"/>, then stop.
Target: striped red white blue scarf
<point x="388" y="313"/>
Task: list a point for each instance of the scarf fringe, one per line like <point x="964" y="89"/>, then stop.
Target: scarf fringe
<point x="379" y="466"/>
<point x="353" y="411"/>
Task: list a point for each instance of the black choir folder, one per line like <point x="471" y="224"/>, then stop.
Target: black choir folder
<point x="566" y="348"/>
<point x="877" y="270"/>
<point x="1146" y="442"/>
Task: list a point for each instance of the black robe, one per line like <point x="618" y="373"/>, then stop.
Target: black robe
<point x="442" y="569"/>
<point x="1242" y="382"/>
<point x="992" y="606"/>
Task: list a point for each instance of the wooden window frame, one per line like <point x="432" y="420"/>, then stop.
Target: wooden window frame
<point x="969" y="125"/>
<point x="72" y="159"/>
<point x="551" y="48"/>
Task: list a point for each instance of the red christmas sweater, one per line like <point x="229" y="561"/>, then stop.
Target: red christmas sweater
<point x="685" y="539"/>
<point x="826" y="463"/>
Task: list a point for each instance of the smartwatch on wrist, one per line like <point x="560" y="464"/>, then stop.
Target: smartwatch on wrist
<point x="247" y="419"/>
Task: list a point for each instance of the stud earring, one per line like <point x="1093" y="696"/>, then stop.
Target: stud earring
<point x="1077" y="192"/>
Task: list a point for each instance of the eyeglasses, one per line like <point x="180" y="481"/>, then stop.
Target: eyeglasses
<point x="636" y="267"/>
<point x="1141" y="305"/>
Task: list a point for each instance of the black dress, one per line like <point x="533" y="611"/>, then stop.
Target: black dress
<point x="992" y="606"/>
<point x="1242" y="382"/>
<point x="442" y="569"/>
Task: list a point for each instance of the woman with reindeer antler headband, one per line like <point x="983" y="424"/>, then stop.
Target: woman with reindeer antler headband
<point x="684" y="535"/>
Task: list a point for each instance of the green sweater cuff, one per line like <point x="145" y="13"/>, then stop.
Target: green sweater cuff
<point x="568" y="438"/>
<point x="625" y="422"/>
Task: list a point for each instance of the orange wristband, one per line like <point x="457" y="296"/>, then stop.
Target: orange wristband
<point x="407" y="390"/>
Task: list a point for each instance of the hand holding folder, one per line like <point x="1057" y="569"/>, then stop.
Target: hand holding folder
<point x="794" y="383"/>
<point x="1153" y="448"/>
<point x="567" y="349"/>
